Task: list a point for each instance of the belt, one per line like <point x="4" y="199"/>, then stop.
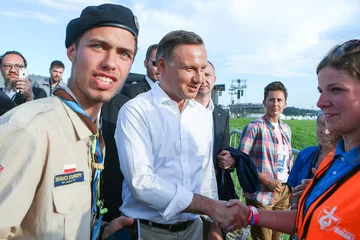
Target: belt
<point x="176" y="227"/>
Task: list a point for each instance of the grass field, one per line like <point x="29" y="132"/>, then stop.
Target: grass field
<point x="303" y="131"/>
<point x="303" y="135"/>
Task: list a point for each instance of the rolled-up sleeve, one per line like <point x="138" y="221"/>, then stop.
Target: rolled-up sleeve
<point x="133" y="140"/>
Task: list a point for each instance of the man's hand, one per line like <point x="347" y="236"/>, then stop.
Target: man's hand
<point x="117" y="224"/>
<point x="25" y="88"/>
<point x="227" y="217"/>
<point x="225" y="160"/>
<point x="243" y="212"/>
<point x="273" y="185"/>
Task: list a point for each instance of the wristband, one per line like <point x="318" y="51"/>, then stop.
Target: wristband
<point x="255" y="216"/>
<point x="249" y="216"/>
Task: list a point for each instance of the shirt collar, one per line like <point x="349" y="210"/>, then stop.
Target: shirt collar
<point x="211" y="106"/>
<point x="160" y="97"/>
<point x="80" y="127"/>
<point x="10" y="93"/>
<point x="350" y="156"/>
<point x="150" y="82"/>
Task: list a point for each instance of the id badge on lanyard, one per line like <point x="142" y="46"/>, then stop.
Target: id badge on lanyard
<point x="281" y="157"/>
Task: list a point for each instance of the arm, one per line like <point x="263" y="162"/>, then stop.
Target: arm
<point x="281" y="221"/>
<point x="22" y="161"/>
<point x="137" y="165"/>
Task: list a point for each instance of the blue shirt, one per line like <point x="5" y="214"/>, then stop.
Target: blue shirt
<point x="302" y="164"/>
<point x="343" y="163"/>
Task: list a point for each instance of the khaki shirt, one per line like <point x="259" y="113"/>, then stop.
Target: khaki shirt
<point x="40" y="142"/>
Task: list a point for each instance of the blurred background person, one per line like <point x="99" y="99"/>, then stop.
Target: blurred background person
<point x="56" y="72"/>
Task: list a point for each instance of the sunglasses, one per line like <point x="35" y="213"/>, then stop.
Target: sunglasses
<point x="345" y="47"/>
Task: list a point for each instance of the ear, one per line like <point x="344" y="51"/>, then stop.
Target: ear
<point x="145" y="63"/>
<point x="285" y="105"/>
<point x="215" y="80"/>
<point x="264" y="103"/>
<point x="71" y="52"/>
<point x="161" y="65"/>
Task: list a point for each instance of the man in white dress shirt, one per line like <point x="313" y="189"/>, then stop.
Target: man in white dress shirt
<point x="164" y="145"/>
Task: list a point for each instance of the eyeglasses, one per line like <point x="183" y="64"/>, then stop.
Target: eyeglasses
<point x="9" y="66"/>
<point x="345" y="47"/>
<point x="153" y="63"/>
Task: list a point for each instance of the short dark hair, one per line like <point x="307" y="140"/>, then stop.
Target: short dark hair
<point x="275" y="86"/>
<point x="13" y="52"/>
<point x="57" y="63"/>
<point x="150" y="49"/>
<point x="173" y="39"/>
<point x="212" y="65"/>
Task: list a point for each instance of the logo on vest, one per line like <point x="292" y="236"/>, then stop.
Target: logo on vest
<point x="329" y="221"/>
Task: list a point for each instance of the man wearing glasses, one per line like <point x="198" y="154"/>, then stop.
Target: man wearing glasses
<point x="152" y="75"/>
<point x="18" y="90"/>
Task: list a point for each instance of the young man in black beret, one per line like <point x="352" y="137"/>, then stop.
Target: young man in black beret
<point x="51" y="151"/>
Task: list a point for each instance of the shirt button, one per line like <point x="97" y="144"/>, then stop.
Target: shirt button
<point x="342" y="159"/>
<point x="334" y="172"/>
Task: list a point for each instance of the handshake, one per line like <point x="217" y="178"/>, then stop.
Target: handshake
<point x="233" y="215"/>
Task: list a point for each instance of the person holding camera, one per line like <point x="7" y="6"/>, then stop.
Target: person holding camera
<point x="17" y="88"/>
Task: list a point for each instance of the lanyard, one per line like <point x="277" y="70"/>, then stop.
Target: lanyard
<point x="97" y="166"/>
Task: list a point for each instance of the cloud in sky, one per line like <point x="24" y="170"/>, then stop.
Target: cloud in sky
<point x="30" y="15"/>
<point x="278" y="38"/>
<point x="254" y="39"/>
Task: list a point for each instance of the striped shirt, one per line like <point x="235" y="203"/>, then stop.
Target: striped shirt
<point x="259" y="141"/>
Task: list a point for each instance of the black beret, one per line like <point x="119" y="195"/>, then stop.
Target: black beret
<point x="98" y="16"/>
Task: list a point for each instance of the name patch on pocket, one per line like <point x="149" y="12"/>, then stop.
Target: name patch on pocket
<point x="64" y="179"/>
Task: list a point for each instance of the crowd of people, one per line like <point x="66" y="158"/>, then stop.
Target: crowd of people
<point x="94" y="159"/>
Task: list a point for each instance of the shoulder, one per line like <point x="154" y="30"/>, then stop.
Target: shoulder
<point x="39" y="92"/>
<point x="26" y="113"/>
<point x="141" y="101"/>
<point x="308" y="150"/>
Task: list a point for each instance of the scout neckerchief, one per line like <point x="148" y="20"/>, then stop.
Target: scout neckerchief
<point x="97" y="163"/>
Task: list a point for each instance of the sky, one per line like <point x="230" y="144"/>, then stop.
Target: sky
<point x="259" y="41"/>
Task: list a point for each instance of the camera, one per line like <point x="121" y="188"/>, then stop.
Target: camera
<point x="23" y="74"/>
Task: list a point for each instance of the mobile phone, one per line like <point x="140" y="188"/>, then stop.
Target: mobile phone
<point x="23" y="73"/>
<point x="127" y="233"/>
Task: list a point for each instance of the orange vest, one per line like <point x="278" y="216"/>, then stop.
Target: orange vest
<point x="337" y="217"/>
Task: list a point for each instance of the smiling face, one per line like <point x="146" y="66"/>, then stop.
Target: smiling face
<point x="274" y="104"/>
<point x="182" y="77"/>
<point x="100" y="64"/>
<point x="340" y="101"/>
<point x="324" y="136"/>
<point x="209" y="81"/>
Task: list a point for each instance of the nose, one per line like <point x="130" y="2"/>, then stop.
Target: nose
<point x="109" y="61"/>
<point x="323" y="101"/>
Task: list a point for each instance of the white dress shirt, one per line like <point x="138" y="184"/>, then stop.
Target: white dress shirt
<point x="150" y="82"/>
<point x="165" y="157"/>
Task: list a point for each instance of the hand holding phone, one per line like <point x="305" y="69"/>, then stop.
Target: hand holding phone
<point x="23" y="74"/>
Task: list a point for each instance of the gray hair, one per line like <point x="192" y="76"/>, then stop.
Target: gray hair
<point x="173" y="39"/>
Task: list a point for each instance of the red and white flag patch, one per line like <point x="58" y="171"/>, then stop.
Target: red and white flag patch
<point x="69" y="168"/>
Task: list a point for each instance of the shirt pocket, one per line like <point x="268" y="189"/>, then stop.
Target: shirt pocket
<point x="72" y="205"/>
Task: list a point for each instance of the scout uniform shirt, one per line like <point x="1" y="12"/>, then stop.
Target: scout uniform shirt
<point x="45" y="150"/>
